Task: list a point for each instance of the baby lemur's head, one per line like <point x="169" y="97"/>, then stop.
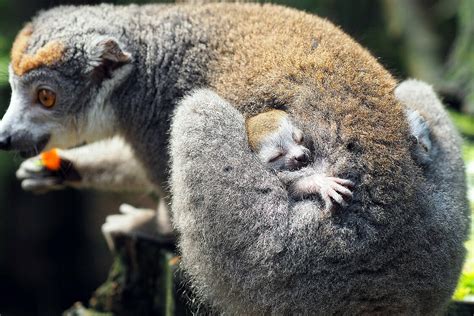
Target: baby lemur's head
<point x="277" y="142"/>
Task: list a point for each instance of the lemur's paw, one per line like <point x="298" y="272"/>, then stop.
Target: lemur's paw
<point x="45" y="172"/>
<point x="337" y="190"/>
<point x="133" y="222"/>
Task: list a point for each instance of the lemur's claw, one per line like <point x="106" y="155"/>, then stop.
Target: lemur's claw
<point x="339" y="191"/>
<point x="343" y="182"/>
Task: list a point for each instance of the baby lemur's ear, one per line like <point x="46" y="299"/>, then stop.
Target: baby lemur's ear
<point x="105" y="56"/>
<point x="422" y="149"/>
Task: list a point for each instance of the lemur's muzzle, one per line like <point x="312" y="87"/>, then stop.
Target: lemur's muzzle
<point x="24" y="142"/>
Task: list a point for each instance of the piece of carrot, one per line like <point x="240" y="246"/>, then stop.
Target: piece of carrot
<point x="51" y="160"/>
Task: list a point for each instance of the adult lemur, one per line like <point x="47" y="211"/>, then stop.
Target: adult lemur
<point x="79" y="74"/>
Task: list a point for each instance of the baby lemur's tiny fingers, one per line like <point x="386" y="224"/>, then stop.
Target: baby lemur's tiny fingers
<point x="345" y="182"/>
<point x="327" y="200"/>
<point x="337" y="197"/>
<point x="342" y="189"/>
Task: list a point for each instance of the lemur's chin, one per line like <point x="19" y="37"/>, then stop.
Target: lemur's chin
<point x="36" y="149"/>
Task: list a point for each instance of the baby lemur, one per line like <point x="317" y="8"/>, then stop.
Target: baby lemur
<point x="279" y="144"/>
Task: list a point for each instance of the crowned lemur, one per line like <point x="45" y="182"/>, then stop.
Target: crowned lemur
<point x="81" y="74"/>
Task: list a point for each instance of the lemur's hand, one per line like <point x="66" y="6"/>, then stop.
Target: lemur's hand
<point x="47" y="171"/>
<point x="329" y="188"/>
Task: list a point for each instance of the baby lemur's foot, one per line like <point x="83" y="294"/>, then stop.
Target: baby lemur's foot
<point x="329" y="188"/>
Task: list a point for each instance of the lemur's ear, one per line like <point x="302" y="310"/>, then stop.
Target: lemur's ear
<point x="106" y="56"/>
<point x="422" y="147"/>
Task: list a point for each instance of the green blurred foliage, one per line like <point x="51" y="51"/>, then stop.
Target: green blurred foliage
<point x="465" y="288"/>
<point x="465" y="124"/>
<point x="4" y="60"/>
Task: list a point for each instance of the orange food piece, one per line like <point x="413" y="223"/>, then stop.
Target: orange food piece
<point x="51" y="160"/>
<point x="174" y="261"/>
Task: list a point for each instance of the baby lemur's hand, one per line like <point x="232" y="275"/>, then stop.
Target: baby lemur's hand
<point x="47" y="171"/>
<point x="329" y="188"/>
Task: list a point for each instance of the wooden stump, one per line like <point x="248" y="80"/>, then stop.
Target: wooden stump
<point x="144" y="280"/>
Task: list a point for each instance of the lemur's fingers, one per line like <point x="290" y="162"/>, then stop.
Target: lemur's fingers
<point x="132" y="210"/>
<point x="128" y="209"/>
<point x="133" y="222"/>
<point x="344" y="182"/>
<point x="327" y="200"/>
<point x="36" y="178"/>
<point x="116" y="225"/>
<point x="342" y="190"/>
<point x="161" y="217"/>
<point x="31" y="168"/>
<point x="126" y="223"/>
<point x="107" y="233"/>
<point x="337" y="197"/>
<point x="41" y="185"/>
<point x="48" y="171"/>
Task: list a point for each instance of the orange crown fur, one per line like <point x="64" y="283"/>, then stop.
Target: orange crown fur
<point x="263" y="124"/>
<point x="45" y="56"/>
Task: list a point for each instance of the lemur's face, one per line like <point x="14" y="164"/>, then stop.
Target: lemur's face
<point x="45" y="111"/>
<point x="284" y="149"/>
<point x="60" y="93"/>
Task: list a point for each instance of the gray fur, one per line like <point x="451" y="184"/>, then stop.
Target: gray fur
<point x="104" y="165"/>
<point x="249" y="249"/>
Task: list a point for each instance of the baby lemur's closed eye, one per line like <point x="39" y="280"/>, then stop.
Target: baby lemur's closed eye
<point x="279" y="145"/>
<point x="276" y="141"/>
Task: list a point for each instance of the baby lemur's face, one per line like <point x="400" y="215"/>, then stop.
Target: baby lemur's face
<point x="284" y="150"/>
<point x="279" y="144"/>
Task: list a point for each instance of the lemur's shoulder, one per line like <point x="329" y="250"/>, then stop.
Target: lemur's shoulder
<point x="267" y="54"/>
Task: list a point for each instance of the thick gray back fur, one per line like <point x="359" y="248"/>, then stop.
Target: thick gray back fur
<point x="246" y="246"/>
<point x="249" y="249"/>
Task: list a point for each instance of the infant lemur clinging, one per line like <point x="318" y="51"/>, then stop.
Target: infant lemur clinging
<point x="279" y="144"/>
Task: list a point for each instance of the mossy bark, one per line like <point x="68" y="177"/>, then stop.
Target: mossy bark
<point x="143" y="280"/>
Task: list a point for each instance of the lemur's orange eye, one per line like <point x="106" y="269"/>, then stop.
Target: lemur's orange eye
<point x="47" y="97"/>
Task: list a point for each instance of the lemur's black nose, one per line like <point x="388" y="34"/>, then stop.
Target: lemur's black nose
<point x="5" y="143"/>
<point x="303" y="158"/>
